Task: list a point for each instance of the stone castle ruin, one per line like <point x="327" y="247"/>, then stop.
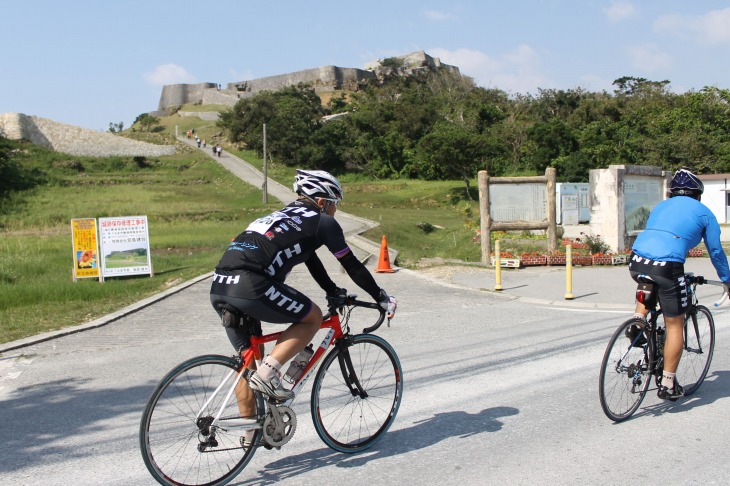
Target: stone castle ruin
<point x="79" y="141"/>
<point x="322" y="79"/>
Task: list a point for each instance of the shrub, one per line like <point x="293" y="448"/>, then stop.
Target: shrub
<point x="595" y="244"/>
<point x="426" y="227"/>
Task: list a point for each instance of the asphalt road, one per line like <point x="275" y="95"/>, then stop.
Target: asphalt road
<point x="497" y="391"/>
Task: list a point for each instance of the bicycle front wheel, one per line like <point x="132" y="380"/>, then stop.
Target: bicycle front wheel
<point x="624" y="374"/>
<point x="699" y="345"/>
<point x="356" y="393"/>
<point x="180" y="444"/>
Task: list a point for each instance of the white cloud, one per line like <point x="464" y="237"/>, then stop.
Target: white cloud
<point x="438" y="16"/>
<point x="168" y="74"/>
<point x="710" y="28"/>
<point x="619" y="11"/>
<point x="649" y="58"/>
<point x="516" y="71"/>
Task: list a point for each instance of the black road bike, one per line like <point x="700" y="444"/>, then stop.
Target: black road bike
<point x="634" y="357"/>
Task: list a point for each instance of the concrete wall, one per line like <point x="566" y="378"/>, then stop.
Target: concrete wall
<point x="608" y="202"/>
<point x="74" y="140"/>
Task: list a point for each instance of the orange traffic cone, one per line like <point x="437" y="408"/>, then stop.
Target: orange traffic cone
<point x="384" y="261"/>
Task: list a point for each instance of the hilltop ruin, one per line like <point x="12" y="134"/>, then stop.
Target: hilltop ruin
<point x="322" y="79"/>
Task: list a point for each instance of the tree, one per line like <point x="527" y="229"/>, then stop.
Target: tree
<point x="13" y="176"/>
<point x="292" y="115"/>
<point x="116" y="127"/>
<point x="451" y="151"/>
<point x="147" y="121"/>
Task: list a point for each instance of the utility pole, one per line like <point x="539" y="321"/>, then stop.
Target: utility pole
<point x="265" y="187"/>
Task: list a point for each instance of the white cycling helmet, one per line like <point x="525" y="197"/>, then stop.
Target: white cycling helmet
<point x="317" y="183"/>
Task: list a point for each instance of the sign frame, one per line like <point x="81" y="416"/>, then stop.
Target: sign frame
<point x="124" y="246"/>
<point x="85" y="249"/>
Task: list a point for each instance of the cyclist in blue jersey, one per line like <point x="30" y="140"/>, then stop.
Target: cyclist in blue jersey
<point x="675" y="226"/>
<point x="250" y="276"/>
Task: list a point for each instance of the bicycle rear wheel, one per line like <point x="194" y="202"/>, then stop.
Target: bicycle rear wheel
<point x="699" y="346"/>
<point x="348" y="417"/>
<point x="178" y="444"/>
<point x="624" y="376"/>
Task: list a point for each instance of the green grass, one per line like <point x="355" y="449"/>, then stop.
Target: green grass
<point x="194" y="208"/>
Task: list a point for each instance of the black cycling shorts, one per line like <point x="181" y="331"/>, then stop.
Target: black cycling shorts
<point x="273" y="301"/>
<point x="668" y="278"/>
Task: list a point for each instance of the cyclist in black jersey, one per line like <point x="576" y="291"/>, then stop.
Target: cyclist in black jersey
<point x="250" y="275"/>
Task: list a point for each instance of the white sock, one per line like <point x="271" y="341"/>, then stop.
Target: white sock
<point x="269" y="368"/>
<point x="639" y="315"/>
<point x="668" y="380"/>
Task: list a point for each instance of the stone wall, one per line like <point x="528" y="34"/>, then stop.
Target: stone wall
<point x="325" y="78"/>
<point x="180" y="94"/>
<point x="203" y="115"/>
<point x="74" y="140"/>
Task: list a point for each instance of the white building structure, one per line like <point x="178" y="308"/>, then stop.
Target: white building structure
<point x="716" y="195"/>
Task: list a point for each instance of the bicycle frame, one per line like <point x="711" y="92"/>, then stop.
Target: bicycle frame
<point x="655" y="311"/>
<point x="335" y="333"/>
<point x="333" y="323"/>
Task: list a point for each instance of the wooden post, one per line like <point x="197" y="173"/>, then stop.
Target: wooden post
<point x="552" y="230"/>
<point x="484" y="219"/>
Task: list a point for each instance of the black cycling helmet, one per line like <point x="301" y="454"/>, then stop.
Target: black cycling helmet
<point x="685" y="183"/>
<point x="318" y="183"/>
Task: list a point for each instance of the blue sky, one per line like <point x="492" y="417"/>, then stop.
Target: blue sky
<point x="89" y="63"/>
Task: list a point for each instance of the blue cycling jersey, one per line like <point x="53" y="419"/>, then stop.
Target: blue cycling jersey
<point x="677" y="225"/>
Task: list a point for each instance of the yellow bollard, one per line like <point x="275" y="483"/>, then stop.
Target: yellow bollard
<point x="568" y="272"/>
<point x="497" y="266"/>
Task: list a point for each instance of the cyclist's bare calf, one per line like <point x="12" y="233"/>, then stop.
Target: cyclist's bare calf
<point x="297" y="336"/>
<point x="673" y="346"/>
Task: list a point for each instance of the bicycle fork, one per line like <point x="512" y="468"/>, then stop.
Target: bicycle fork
<point x="693" y="317"/>
<point x="348" y="371"/>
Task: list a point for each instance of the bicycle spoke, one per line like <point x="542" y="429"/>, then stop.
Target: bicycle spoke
<point x="350" y="423"/>
<point x="180" y="443"/>
<point x="623" y="379"/>
<point x="699" y="337"/>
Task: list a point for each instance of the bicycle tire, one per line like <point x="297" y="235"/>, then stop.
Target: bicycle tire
<point x="344" y="420"/>
<point x="169" y="433"/>
<point x="699" y="347"/>
<point x="624" y="376"/>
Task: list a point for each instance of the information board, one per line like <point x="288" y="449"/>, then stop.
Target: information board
<point x="517" y="202"/>
<point x="85" y="248"/>
<point x="125" y="246"/>
<point x="641" y="194"/>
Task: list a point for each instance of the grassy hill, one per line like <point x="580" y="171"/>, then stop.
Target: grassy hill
<point x="194" y="207"/>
